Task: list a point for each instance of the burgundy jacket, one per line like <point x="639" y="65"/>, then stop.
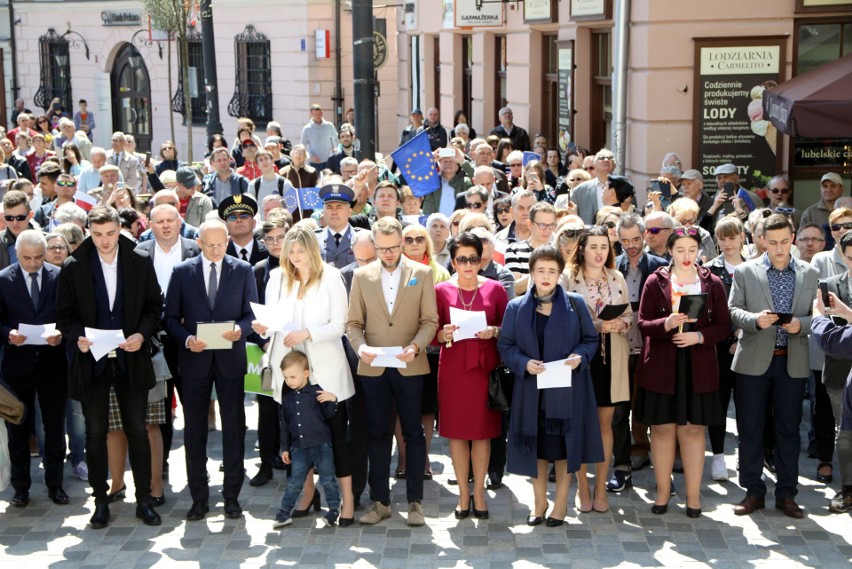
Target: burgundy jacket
<point x="656" y="369"/>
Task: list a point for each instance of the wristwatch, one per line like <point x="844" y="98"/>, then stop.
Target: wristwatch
<point x="416" y="349"/>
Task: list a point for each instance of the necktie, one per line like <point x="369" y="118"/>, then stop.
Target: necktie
<point x="244" y="255"/>
<point x="212" y="285"/>
<point x="337" y="237"/>
<point x="34" y="291"/>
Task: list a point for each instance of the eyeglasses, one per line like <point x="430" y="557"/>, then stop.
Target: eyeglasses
<point x="604" y="158"/>
<point x="66" y="184"/>
<point x="56" y="248"/>
<point x="240" y="216"/>
<point x="810" y="239"/>
<point x="571" y="233"/>
<point x="473" y="205"/>
<point x="834" y="226"/>
<point x="690" y="221"/>
<point x="386" y="250"/>
<point x="15" y="217"/>
<point x="686" y="231"/>
<point x="420" y="240"/>
<point x="545" y="226"/>
<point x="656" y="230"/>
<point x="589" y="168"/>
<point x="779" y="190"/>
<point x="577" y="179"/>
<point x="474" y="260"/>
<point x="274" y="240"/>
<point x="502" y="210"/>
<point x="609" y="224"/>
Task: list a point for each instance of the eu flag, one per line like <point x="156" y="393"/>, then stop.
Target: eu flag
<point x="530" y="156"/>
<point x="291" y="199"/>
<point x="309" y="198"/>
<point x="414" y="159"/>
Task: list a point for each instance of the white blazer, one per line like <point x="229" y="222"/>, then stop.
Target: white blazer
<point x="326" y="306"/>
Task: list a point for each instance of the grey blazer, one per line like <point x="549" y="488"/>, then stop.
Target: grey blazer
<point x="586" y="197"/>
<point x="750" y="294"/>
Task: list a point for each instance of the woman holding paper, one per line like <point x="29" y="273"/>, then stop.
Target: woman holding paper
<point x="593" y="276"/>
<point x="313" y="297"/>
<point x="548" y="325"/>
<point x="464" y="367"/>
<point x="678" y="373"/>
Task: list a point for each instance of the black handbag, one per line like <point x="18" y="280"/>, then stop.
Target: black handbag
<point x="497" y="400"/>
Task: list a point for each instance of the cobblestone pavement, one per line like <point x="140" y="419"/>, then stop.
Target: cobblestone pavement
<point x="44" y="535"/>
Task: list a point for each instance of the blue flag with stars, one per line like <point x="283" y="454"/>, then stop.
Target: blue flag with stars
<point x="309" y="198"/>
<point x="291" y="199"/>
<point x="414" y="159"/>
<point x="530" y="156"/>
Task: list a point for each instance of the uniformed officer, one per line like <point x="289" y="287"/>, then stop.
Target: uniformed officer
<point x="335" y="240"/>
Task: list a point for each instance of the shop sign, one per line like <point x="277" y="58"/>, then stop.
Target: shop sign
<point x="473" y="14"/>
<point x="589" y="9"/>
<point x="565" y="120"/>
<point x="121" y="18"/>
<point x="823" y="153"/>
<point x="539" y="11"/>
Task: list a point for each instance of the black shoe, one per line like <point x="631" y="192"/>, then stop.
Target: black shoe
<point x="693" y="512"/>
<point x="263" y="476"/>
<point x="120" y="494"/>
<point x="100" y="518"/>
<point x="197" y="511"/>
<point x="345" y="522"/>
<point x="146" y="513"/>
<point x="495" y="480"/>
<point x="553" y="522"/>
<point x="315" y="503"/>
<point x="278" y="464"/>
<point x="536" y="520"/>
<point x="480" y="514"/>
<point x="232" y="509"/>
<point x="462" y="514"/>
<point x="58" y="496"/>
<point x="659" y="509"/>
<point x="21" y="499"/>
<point x="157" y="501"/>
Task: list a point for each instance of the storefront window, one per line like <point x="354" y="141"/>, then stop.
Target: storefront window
<point x="601" y="110"/>
<point x="500" y="77"/>
<point x="821" y="43"/>
<point x="253" y="84"/>
<point x="550" y="89"/>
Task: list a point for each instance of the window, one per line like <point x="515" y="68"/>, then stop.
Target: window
<point x="820" y="43"/>
<point x="196" y="80"/>
<point x="436" y="76"/>
<point x="601" y="110"/>
<point x="253" y="84"/>
<point x="55" y="70"/>
<point x="500" y="77"/>
<point x="467" y="77"/>
<point x="550" y="90"/>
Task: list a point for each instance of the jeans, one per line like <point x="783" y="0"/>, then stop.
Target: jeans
<point x="300" y="462"/>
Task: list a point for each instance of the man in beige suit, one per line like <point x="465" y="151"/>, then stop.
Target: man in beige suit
<point x="392" y="303"/>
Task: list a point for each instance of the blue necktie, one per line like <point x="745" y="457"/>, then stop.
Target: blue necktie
<point x="212" y="286"/>
<point x="34" y="291"/>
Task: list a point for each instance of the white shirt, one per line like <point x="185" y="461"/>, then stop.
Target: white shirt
<point x="599" y="190"/>
<point x="390" y="286"/>
<point x="29" y="280"/>
<point x="205" y="267"/>
<point x="110" y="271"/>
<point x="248" y="247"/>
<point x="448" y="198"/>
<point x="164" y="262"/>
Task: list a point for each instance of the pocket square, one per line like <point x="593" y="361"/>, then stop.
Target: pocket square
<point x="412" y="282"/>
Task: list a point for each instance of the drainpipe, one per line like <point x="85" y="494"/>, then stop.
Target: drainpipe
<point x="338" y="88"/>
<point x="13" y="44"/>
<point x="621" y="40"/>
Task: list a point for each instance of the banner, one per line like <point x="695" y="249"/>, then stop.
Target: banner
<point x="252" y="377"/>
<point x="566" y="100"/>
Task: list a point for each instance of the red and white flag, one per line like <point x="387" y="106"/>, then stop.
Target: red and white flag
<point x="84" y="200"/>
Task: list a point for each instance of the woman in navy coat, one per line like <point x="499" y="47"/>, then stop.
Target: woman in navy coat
<point x="558" y="424"/>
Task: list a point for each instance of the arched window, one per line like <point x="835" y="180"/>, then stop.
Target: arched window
<point x="253" y="84"/>
<point x="55" y="71"/>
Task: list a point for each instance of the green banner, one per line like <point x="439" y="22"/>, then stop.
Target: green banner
<point x="254" y="354"/>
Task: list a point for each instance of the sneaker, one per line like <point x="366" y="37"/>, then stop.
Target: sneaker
<point x="621" y="480"/>
<point x="719" y="472"/>
<point x="80" y="470"/>
<point x="415" y="514"/>
<point x="375" y="513"/>
<point x="330" y="518"/>
<point x="841" y="503"/>
<point x="281" y="520"/>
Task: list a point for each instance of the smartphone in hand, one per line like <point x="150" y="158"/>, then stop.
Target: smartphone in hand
<point x="826" y="300"/>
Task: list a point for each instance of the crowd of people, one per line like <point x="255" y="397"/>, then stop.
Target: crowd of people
<point x="615" y="329"/>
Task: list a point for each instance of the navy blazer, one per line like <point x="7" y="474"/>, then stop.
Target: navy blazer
<point x="648" y="263"/>
<point x="16" y="307"/>
<point x="186" y="306"/>
<point x="258" y="251"/>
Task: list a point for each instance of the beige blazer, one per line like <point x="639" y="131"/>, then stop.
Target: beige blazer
<point x="414" y="318"/>
<point x="619" y="348"/>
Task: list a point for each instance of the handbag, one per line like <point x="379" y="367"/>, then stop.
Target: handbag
<point x="496" y="397"/>
<point x="161" y="372"/>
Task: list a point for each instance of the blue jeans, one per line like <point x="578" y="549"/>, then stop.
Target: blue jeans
<point x="75" y="428"/>
<point x="300" y="463"/>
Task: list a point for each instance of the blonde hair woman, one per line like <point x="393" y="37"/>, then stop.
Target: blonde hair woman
<point x="313" y="297"/>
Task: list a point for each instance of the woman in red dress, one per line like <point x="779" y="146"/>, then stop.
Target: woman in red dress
<point x="463" y="371"/>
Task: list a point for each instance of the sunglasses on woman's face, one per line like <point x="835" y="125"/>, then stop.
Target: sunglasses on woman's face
<point x="572" y="233"/>
<point x="420" y="240"/>
<point x="502" y="210"/>
<point x="839" y="226"/>
<point x="473" y="260"/>
<point x="686" y="231"/>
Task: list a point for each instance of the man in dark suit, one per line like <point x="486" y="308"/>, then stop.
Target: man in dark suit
<point x="212" y="287"/>
<point x="28" y="296"/>
<point x="168" y="249"/>
<point x="238" y="212"/>
<point x="635" y="264"/>
<point x="105" y="284"/>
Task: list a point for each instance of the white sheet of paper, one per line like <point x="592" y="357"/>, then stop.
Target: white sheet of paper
<point x="103" y="341"/>
<point x="273" y="319"/>
<point x="412" y="219"/>
<point x="555" y="374"/>
<point x="36" y="333"/>
<point x="470" y="322"/>
<point x="385" y="356"/>
<point x="211" y="334"/>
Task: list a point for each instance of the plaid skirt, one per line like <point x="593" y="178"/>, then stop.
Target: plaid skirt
<point x="156" y="412"/>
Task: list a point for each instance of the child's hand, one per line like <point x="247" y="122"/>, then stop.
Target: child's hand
<point x="285" y="456"/>
<point x="323" y="396"/>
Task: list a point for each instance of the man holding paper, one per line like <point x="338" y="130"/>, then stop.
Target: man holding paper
<point x="213" y="291"/>
<point x="34" y="363"/>
<point x="107" y="285"/>
<point x="392" y="303"/>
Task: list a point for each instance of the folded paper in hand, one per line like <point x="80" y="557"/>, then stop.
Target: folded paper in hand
<point x="385" y="356"/>
<point x="469" y="322"/>
<point x="103" y="341"/>
<point x="271" y="316"/>
<point x="36" y="334"/>
<point x="555" y="374"/>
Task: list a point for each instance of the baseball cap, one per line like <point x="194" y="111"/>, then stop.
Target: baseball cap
<point x="186" y="177"/>
<point x="833" y="177"/>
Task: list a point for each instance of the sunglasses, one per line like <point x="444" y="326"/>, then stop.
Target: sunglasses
<point x="474" y="260"/>
<point x="15" y="217"/>
<point x="502" y="210"/>
<point x="589" y="168"/>
<point x="604" y="158"/>
<point x="236" y="216"/>
<point x="420" y="240"/>
<point x="65" y="184"/>
<point x="780" y="190"/>
<point x="577" y="179"/>
<point x="686" y="231"/>
<point x="785" y="210"/>
<point x="609" y="224"/>
<point x="656" y="230"/>
<point x="572" y="233"/>
<point x="834" y="226"/>
<point x="473" y="205"/>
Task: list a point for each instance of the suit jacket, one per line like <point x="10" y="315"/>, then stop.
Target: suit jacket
<point x="414" y="318"/>
<point x="76" y="309"/>
<point x="835" y="370"/>
<point x="648" y="263"/>
<point x="750" y="294"/>
<point x="586" y="197"/>
<point x="129" y="168"/>
<point x="188" y="248"/>
<point x="186" y="306"/>
<point x="340" y="255"/>
<point x="258" y="252"/>
<point x="16" y="307"/>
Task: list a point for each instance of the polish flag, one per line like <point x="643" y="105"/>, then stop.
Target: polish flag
<point x="84" y="200"/>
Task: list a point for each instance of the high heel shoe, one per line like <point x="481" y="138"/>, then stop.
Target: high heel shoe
<point x="463" y="514"/>
<point x="553" y="522"/>
<point x="660" y="509"/>
<point x="315" y="503"/>
<point x="693" y="512"/>
<point x="119" y="494"/>
<point x="536" y="520"/>
<point x="479" y="514"/>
